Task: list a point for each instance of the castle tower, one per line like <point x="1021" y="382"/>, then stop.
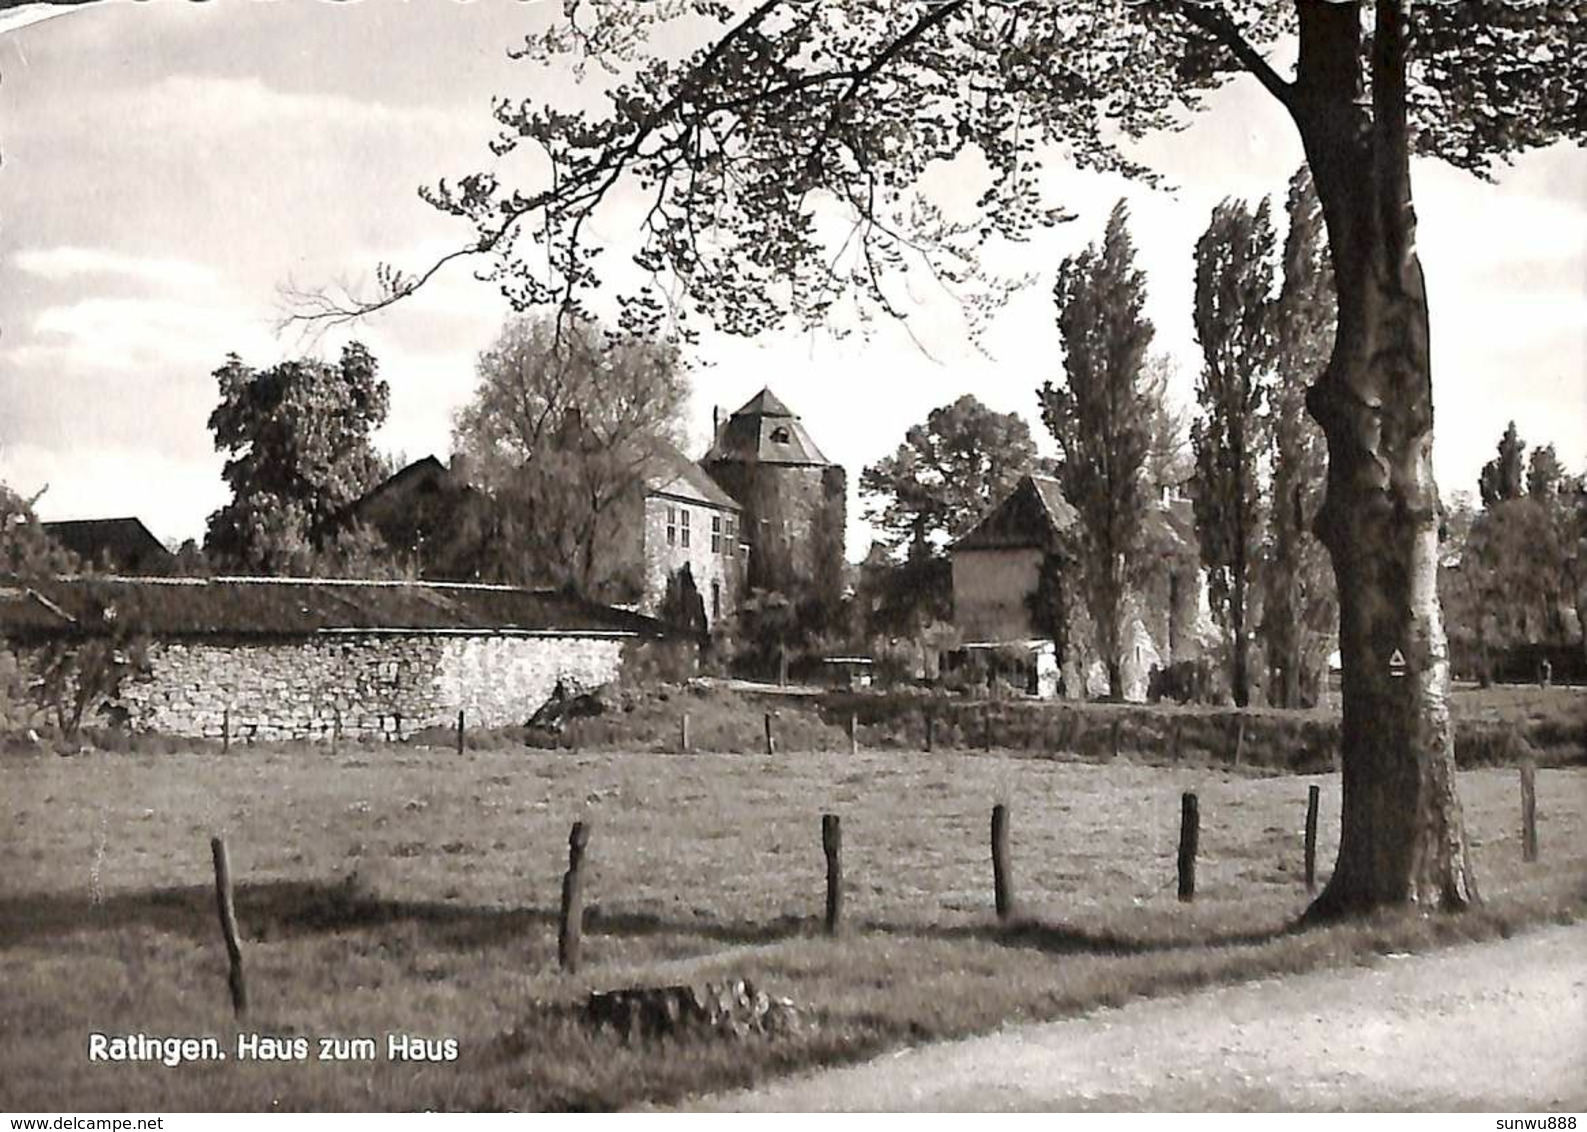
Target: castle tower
<point x="794" y="500"/>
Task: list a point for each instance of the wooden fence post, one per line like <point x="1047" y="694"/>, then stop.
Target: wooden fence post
<point x="986" y="728"/>
<point x="570" y="932"/>
<point x="854" y="741"/>
<point x="1528" y="810"/>
<point x="336" y="730"/>
<point x="460" y="731"/>
<point x="1002" y="876"/>
<point x="1173" y="749"/>
<point x="396" y="719"/>
<point x="832" y="846"/>
<point x="228" y="926"/>
<point x="225" y="729"/>
<point x="1239" y="740"/>
<point x="1189" y="839"/>
<point x="683" y="734"/>
<point x="1313" y="798"/>
<point x="771" y="739"/>
<point x="930" y="724"/>
<point x="1117" y="723"/>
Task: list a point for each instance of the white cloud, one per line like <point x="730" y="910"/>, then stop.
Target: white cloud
<point x="122" y="334"/>
<point x="64" y="263"/>
<point x="241" y="105"/>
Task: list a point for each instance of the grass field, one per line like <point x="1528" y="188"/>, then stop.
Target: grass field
<point x="404" y="890"/>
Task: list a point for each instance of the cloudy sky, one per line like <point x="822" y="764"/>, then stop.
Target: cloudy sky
<point x="166" y="166"/>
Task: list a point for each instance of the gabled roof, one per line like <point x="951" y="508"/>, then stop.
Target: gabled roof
<point x="123" y="544"/>
<point x="287" y="607"/>
<point x="427" y="470"/>
<point x="1032" y="516"/>
<point x="764" y="431"/>
<point x="673" y="466"/>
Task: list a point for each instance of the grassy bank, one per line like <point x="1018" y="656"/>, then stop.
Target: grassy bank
<point x="1493" y="727"/>
<point x="397" y="890"/>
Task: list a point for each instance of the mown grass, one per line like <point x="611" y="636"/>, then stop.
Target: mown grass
<point x="389" y="890"/>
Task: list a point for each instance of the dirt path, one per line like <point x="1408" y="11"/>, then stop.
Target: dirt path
<point x="1498" y="1027"/>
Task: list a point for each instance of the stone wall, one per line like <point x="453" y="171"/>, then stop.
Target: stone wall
<point x="378" y="686"/>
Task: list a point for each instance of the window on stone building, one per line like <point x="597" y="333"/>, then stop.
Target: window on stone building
<point x="716" y="534"/>
<point x="780" y="435"/>
<point x="683" y="532"/>
<point x="729" y="534"/>
<point x="672" y="526"/>
<point x="716" y="599"/>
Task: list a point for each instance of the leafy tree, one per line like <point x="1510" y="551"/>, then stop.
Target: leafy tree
<point x="566" y="426"/>
<point x="793" y="110"/>
<point x="1504" y="477"/>
<point x="26" y="550"/>
<point x="298" y="435"/>
<point x="1102" y="420"/>
<point x="1543" y="474"/>
<point x="1300" y="614"/>
<point x="76" y="676"/>
<point x="1168" y="459"/>
<point x="1234" y="324"/>
<point x="947" y="474"/>
<point x="901" y="599"/>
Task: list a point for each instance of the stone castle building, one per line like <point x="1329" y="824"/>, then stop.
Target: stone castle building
<point x="794" y="499"/>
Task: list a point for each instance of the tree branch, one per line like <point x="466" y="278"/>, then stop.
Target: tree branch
<point x="1216" y="22"/>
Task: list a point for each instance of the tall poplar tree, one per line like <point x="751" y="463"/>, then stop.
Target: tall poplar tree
<point x="1300" y="613"/>
<point x="1234" y="324"/>
<point x="1102" y="420"/>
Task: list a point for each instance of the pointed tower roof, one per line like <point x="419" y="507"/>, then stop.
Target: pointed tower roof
<point x="764" y="431"/>
<point x="765" y="404"/>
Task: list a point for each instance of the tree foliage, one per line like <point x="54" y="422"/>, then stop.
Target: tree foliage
<point x="1235" y="325"/>
<point x="567" y="425"/>
<point x="1102" y="419"/>
<point x="789" y="114"/>
<point x="1515" y="572"/>
<point x="26" y="549"/>
<point x="298" y="437"/>
<point x="1543" y="473"/>
<point x="1169" y="462"/>
<point x="1504" y="477"/>
<point x="948" y="473"/>
<point x="1300" y="613"/>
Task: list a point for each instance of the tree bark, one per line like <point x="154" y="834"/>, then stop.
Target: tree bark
<point x="1402" y="836"/>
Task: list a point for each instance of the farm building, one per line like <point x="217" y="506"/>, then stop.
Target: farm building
<point x="120" y="546"/>
<point x="997" y="567"/>
<point x="276" y="658"/>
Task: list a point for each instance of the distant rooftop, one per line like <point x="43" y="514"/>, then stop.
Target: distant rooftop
<point x="124" y="545"/>
<point x="1033" y="515"/>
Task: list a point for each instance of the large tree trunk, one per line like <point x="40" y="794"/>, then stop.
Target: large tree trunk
<point x="1402" y="836"/>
